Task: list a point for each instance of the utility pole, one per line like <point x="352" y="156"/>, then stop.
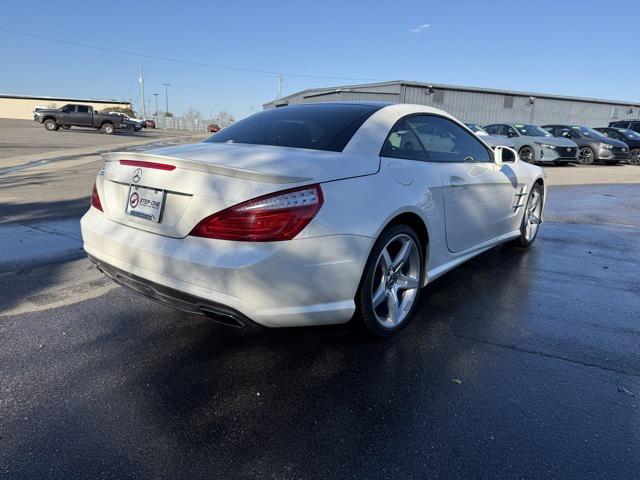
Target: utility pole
<point x="279" y="85"/>
<point x="141" y="79"/>
<point x="166" y="97"/>
<point x="156" y="95"/>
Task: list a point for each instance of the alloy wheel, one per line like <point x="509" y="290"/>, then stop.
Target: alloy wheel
<point x="635" y="156"/>
<point x="585" y="156"/>
<point x="526" y="154"/>
<point x="533" y="215"/>
<point x="396" y="280"/>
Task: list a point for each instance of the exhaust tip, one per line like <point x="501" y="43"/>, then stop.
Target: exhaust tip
<point x="223" y="318"/>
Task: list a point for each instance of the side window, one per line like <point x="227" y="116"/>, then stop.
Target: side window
<point x="635" y="126"/>
<point x="551" y="129"/>
<point x="491" y="129"/>
<point x="614" y="134"/>
<point x="403" y="143"/>
<point x="67" y="109"/>
<point x="565" y="132"/>
<point x="83" y="109"/>
<point x="510" y="131"/>
<point x="446" y="141"/>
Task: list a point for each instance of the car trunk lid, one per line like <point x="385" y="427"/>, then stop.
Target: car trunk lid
<point x="201" y="179"/>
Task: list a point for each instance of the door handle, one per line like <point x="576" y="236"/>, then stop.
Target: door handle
<point x="457" y="182"/>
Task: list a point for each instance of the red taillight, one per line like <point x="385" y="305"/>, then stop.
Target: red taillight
<point x="274" y="217"/>
<point x="95" y="198"/>
<point x="141" y="163"/>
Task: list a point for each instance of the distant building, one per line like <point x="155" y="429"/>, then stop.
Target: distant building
<point x="22" y="106"/>
<point x="477" y="105"/>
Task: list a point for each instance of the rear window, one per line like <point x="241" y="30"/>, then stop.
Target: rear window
<point x="317" y="126"/>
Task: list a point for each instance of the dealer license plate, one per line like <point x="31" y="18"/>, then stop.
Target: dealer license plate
<point x="145" y="203"/>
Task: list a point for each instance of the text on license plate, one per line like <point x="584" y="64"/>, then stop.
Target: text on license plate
<point x="145" y="202"/>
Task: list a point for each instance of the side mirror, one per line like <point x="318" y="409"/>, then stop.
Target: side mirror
<point x="504" y="155"/>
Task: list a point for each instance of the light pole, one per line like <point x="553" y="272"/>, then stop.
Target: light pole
<point x="141" y="80"/>
<point x="156" y="95"/>
<point x="166" y="97"/>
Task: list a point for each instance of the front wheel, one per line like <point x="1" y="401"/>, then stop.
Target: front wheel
<point x="108" y="128"/>
<point x="51" y="125"/>
<point x="532" y="218"/>
<point x="527" y="154"/>
<point x="585" y="156"/>
<point x="635" y="156"/>
<point x="391" y="282"/>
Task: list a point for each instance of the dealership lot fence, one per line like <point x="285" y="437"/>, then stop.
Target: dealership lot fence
<point x="182" y="123"/>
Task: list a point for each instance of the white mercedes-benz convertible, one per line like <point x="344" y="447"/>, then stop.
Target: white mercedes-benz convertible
<point x="311" y="214"/>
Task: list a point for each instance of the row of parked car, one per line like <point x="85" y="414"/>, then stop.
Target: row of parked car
<point x="562" y="144"/>
<point x="75" y="115"/>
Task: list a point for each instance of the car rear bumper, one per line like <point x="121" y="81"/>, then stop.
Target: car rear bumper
<point x="172" y="297"/>
<point x="310" y="281"/>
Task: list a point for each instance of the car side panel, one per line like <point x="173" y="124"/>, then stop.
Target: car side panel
<point x="364" y="206"/>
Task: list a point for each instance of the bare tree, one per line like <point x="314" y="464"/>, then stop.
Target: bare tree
<point x="191" y="114"/>
<point x="223" y="118"/>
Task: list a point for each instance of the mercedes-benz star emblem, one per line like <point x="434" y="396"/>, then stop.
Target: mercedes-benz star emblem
<point x="137" y="175"/>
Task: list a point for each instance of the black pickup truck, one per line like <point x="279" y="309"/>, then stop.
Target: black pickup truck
<point x="72" y="115"/>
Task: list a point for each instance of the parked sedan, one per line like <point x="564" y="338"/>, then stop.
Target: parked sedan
<point x="630" y="137"/>
<point x="130" y="123"/>
<point x="630" y="124"/>
<point x="535" y="144"/>
<point x="213" y="128"/>
<point x="594" y="146"/>
<point x="489" y="139"/>
<point x="310" y="214"/>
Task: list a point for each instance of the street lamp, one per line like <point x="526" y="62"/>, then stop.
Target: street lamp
<point x="156" y="95"/>
<point x="166" y="97"/>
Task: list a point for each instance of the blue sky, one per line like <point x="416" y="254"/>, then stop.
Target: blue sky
<point x="574" y="48"/>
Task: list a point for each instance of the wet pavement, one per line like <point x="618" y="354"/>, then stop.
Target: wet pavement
<point x="520" y="364"/>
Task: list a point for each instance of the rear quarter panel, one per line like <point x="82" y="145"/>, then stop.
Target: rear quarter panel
<point x="365" y="205"/>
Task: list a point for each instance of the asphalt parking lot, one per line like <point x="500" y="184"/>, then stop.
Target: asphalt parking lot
<point x="521" y="364"/>
<point x="25" y="137"/>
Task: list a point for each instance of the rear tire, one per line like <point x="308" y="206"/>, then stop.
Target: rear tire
<point x="531" y="218"/>
<point x="107" y="128"/>
<point x="51" y="125"/>
<point x="635" y="156"/>
<point x="389" y="291"/>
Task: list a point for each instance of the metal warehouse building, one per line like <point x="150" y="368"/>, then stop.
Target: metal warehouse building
<point x="477" y="105"/>
<point x="22" y="106"/>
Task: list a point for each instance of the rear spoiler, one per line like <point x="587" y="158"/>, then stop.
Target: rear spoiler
<point x="201" y="166"/>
